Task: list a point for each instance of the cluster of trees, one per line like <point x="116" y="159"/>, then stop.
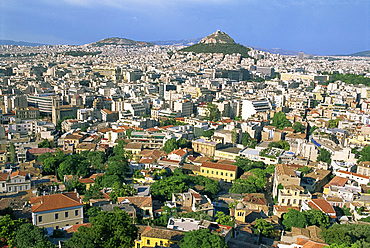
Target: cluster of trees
<point x="213" y="113"/>
<point x="46" y="144"/>
<point x="224" y="219"/>
<point x="305" y="170"/>
<point x="257" y="181"/>
<point x="228" y="48"/>
<point x="82" y="164"/>
<point x="324" y="156"/>
<point x="248" y="141"/>
<point x="170" y="121"/>
<point x="280" y="121"/>
<point x="306" y="218"/>
<point x="312" y="129"/>
<point x="350" y="79"/>
<point x="179" y="182"/>
<point x="333" y="123"/>
<point x="280" y="144"/>
<point x="209" y="133"/>
<point x="364" y="154"/>
<point x="299" y="127"/>
<point x="347" y="235"/>
<point x="173" y="144"/>
<point x="19" y="233"/>
<point x="108" y="229"/>
<point x="262" y="227"/>
<point x="202" y="238"/>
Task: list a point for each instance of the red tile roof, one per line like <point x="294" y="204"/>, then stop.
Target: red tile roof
<point x="18" y="173"/>
<point x="322" y="205"/>
<point x="40" y="150"/>
<point x="219" y="166"/>
<point x="52" y="202"/>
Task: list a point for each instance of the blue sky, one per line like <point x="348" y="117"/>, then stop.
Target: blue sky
<point x="314" y="26"/>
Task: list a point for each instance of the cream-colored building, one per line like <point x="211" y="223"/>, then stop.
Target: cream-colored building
<point x="56" y="211"/>
<point x="293" y="195"/>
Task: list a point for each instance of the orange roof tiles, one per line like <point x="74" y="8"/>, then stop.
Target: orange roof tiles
<point x="219" y="166"/>
<point x="322" y="205"/>
<point x="18" y="173"/>
<point x="52" y="202"/>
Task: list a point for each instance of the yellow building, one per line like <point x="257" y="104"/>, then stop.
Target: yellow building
<point x="85" y="147"/>
<point x="58" y="210"/>
<point x="226" y="172"/>
<point x="135" y="149"/>
<point x="205" y="147"/>
<point x="229" y="153"/>
<point x="293" y="195"/>
<point x="157" y="236"/>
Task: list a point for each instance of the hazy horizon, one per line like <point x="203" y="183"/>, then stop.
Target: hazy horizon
<point x="314" y="26"/>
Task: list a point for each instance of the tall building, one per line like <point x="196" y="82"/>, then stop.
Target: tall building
<point x="251" y="107"/>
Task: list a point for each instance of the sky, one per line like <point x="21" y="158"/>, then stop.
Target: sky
<point x="319" y="27"/>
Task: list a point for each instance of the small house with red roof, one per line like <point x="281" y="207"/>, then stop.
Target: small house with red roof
<point x="321" y="205"/>
<point x="18" y="181"/>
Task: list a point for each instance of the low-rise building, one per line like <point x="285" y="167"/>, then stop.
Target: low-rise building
<point x="58" y="210"/>
<point x="226" y="172"/>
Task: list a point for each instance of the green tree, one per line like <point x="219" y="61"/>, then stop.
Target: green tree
<point x="299" y="128"/>
<point x="246" y="165"/>
<point x="96" y="160"/>
<point x="170" y="145"/>
<point x="209" y="133"/>
<point x="262" y="227"/>
<point x="294" y="218"/>
<point x="234" y="137"/>
<point x="213" y="114"/>
<point x="8" y="229"/>
<point x="74" y="164"/>
<point x="120" y="190"/>
<point x="241" y="186"/>
<point x="29" y="235"/>
<point x="333" y="123"/>
<point x="247" y="141"/>
<point x="305" y="170"/>
<point x="72" y="185"/>
<point x="280" y="121"/>
<point x="202" y="238"/>
<point x="312" y="129"/>
<point x="93" y="212"/>
<point x="324" y="156"/>
<point x="280" y="144"/>
<point x="108" y="229"/>
<point x="45" y="144"/>
<point x="128" y="133"/>
<point x="12" y="154"/>
<point x="223" y="219"/>
<point x="365" y="154"/>
<point x="317" y="218"/>
<point x="84" y="128"/>
<point x="93" y="193"/>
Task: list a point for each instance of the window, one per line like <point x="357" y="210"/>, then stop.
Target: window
<point x="226" y="174"/>
<point x="148" y="242"/>
<point x="56" y="216"/>
<point x="161" y="243"/>
<point x="40" y="218"/>
<point x="3" y="185"/>
<point x="222" y="173"/>
<point x="294" y="201"/>
<point x="212" y="172"/>
<point x="283" y="200"/>
<point x="76" y="212"/>
<point x="231" y="175"/>
<point x="207" y="171"/>
<point x="202" y="171"/>
<point x="216" y="172"/>
<point x="66" y="214"/>
<point x="57" y="227"/>
<point x="138" y="246"/>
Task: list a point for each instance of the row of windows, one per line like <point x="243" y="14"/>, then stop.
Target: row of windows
<point x="148" y="243"/>
<point x="226" y="174"/>
<point x="294" y="201"/>
<point x="19" y="188"/>
<point x="56" y="216"/>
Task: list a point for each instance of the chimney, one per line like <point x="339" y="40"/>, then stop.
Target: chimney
<point x="43" y="193"/>
<point x="75" y="190"/>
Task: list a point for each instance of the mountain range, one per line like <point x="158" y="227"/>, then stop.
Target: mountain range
<point x="183" y="42"/>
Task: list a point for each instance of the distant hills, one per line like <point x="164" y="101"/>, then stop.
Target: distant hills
<point x="362" y="54"/>
<point x="218" y="42"/>
<point x="20" y="43"/>
<point x="120" y="41"/>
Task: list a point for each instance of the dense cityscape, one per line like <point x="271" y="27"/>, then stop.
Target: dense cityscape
<point x="121" y="143"/>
